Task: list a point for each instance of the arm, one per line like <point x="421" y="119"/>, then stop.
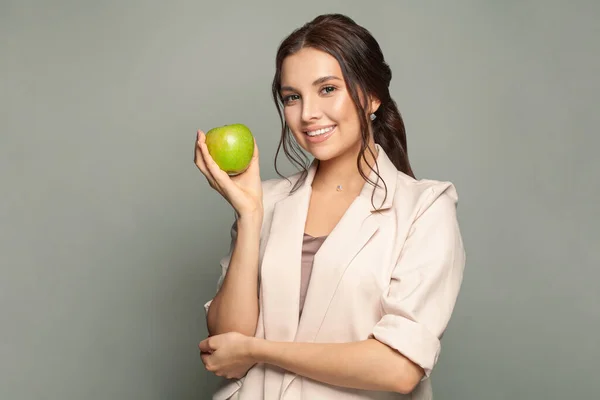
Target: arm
<point x="235" y="307"/>
<point x="367" y="365"/>
<point x="425" y="283"/>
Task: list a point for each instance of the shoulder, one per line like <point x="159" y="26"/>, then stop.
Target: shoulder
<point x="422" y="195"/>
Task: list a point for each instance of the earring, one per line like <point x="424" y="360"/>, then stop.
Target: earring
<point x="373" y="116"/>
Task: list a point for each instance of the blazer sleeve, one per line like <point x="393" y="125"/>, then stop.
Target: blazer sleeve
<point x="425" y="283"/>
<point x="224" y="262"/>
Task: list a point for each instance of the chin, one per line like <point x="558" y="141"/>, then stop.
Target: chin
<point x="326" y="153"/>
<point x="323" y="154"/>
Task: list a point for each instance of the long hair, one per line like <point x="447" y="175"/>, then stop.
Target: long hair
<point x="365" y="73"/>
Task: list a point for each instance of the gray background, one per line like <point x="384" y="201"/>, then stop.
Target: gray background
<point x="110" y="238"/>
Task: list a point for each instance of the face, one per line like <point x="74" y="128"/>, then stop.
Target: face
<point x="317" y="105"/>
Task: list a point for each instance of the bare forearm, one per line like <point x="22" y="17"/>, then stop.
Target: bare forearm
<point x="368" y="364"/>
<point x="235" y="307"/>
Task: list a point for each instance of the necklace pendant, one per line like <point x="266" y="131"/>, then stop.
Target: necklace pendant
<point x="339" y="188"/>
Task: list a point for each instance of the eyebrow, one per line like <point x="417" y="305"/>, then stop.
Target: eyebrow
<point x="319" y="81"/>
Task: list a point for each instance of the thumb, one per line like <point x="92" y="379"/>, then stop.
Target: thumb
<point x="255" y="155"/>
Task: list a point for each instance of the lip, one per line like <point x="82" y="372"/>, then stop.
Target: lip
<point x="323" y="137"/>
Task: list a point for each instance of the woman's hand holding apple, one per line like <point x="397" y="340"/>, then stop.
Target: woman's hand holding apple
<point x="243" y="191"/>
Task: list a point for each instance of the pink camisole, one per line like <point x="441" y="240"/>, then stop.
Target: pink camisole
<point x="310" y="246"/>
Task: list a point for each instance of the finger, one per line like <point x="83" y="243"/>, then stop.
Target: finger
<point x="201" y="164"/>
<point x="204" y="358"/>
<point x="207" y="362"/>
<point x="219" y="176"/>
<point x="205" y="347"/>
<point x="199" y="159"/>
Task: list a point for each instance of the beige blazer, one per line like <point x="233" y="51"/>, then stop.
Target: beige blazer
<point x="392" y="275"/>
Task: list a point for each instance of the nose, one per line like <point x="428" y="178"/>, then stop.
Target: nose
<point x="311" y="110"/>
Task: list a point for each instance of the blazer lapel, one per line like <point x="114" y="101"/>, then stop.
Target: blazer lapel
<point x="281" y="274"/>
<point x="281" y="267"/>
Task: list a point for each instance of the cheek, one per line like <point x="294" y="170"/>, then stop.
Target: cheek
<point x="292" y="116"/>
<point x="287" y="115"/>
<point x="343" y="109"/>
<point x="346" y="116"/>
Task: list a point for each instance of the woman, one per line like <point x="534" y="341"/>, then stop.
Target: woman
<point x="342" y="278"/>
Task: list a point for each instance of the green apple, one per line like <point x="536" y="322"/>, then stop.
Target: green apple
<point x="231" y="146"/>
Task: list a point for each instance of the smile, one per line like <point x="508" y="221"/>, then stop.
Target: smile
<point x="320" y="135"/>
<point x="321" y="131"/>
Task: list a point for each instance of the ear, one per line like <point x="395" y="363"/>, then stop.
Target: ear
<point x="374" y="104"/>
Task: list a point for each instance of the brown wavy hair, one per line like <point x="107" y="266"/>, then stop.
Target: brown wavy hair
<point x="365" y="72"/>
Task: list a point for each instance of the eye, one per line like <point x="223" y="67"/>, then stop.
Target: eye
<point x="289" y="99"/>
<point x="328" y="89"/>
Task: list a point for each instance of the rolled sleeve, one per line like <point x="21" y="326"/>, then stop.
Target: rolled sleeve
<point x="425" y="283"/>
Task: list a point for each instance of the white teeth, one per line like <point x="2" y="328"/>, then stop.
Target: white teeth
<point x="320" y="131"/>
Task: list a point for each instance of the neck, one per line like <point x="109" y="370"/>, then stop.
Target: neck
<point x="343" y="171"/>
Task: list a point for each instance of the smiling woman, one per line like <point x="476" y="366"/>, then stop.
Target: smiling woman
<point x="350" y="262"/>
